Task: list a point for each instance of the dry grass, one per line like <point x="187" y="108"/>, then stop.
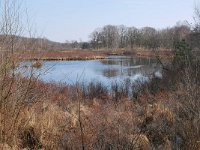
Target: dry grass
<point x="91" y="54"/>
<point x="162" y="53"/>
<point x="61" y="55"/>
<point x="52" y="122"/>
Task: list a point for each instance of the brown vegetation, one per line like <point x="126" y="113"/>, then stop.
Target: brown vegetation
<point x="162" y="53"/>
<point x="162" y="114"/>
<point x="52" y="121"/>
<point x="61" y="55"/>
<point x="91" y="54"/>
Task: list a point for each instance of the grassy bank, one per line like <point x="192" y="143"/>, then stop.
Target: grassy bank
<point x="162" y="53"/>
<point x="61" y="55"/>
<point x="90" y="54"/>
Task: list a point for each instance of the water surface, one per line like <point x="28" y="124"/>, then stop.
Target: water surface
<point x="109" y="70"/>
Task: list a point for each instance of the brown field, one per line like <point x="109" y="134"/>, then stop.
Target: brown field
<point x="164" y="53"/>
<point x="61" y="55"/>
<point x="89" y="54"/>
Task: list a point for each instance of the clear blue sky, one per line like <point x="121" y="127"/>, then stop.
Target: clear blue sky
<point x="62" y="20"/>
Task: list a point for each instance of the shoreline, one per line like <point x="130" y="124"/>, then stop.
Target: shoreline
<point x="70" y="55"/>
<point x="65" y="59"/>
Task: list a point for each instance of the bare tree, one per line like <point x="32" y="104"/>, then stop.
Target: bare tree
<point x="197" y="18"/>
<point x="110" y="33"/>
<point x="16" y="93"/>
<point x="133" y="35"/>
<point x="123" y="36"/>
<point x="96" y="38"/>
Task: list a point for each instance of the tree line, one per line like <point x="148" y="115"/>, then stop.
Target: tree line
<point x="123" y="37"/>
<point x="120" y="37"/>
<point x="113" y="37"/>
<point x="129" y="38"/>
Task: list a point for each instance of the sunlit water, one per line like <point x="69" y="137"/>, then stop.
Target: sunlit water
<point x="109" y="70"/>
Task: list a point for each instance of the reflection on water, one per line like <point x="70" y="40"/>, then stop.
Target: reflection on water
<point x="110" y="72"/>
<point x="111" y="69"/>
<point x="129" y="66"/>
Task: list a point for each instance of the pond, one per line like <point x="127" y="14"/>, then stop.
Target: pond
<point x="108" y="70"/>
